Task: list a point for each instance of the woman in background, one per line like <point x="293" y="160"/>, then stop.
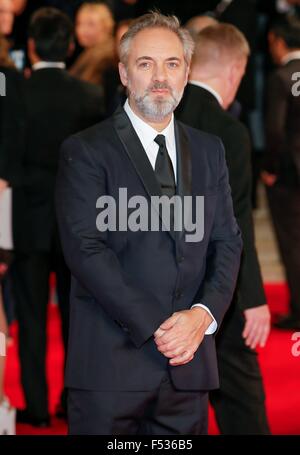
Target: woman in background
<point x="94" y="27"/>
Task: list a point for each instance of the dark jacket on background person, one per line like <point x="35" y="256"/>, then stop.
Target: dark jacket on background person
<point x="200" y="109"/>
<point x="57" y="105"/>
<point x="282" y="125"/>
<point x="12" y="125"/>
<point x="239" y="403"/>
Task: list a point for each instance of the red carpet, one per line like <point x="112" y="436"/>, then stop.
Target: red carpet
<point x="281" y="373"/>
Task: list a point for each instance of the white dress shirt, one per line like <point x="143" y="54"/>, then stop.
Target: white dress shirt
<point x="294" y="55"/>
<point x="147" y="134"/>
<point x="209" y="89"/>
<point x="41" y="65"/>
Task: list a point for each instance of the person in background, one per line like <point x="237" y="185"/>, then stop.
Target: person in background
<point x="23" y="10"/>
<point x="198" y="23"/>
<point x="19" y="6"/>
<point x="120" y="30"/>
<point x="11" y="138"/>
<point x="94" y="27"/>
<point x="6" y="17"/>
<point x="114" y="91"/>
<point x="281" y="167"/>
<point x="57" y="105"/>
<point x="7" y="412"/>
<point x="218" y="65"/>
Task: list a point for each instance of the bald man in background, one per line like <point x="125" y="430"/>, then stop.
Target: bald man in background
<point x="218" y="65"/>
<point x="198" y="23"/>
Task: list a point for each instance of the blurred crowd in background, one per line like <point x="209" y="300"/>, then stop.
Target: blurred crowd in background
<point x="80" y="86"/>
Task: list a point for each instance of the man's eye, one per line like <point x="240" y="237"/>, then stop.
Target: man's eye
<point x="144" y="65"/>
<point x="173" y="64"/>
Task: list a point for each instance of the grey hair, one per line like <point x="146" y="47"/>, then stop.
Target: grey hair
<point x="154" y="19"/>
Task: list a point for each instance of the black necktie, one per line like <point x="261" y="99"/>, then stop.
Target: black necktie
<point x="163" y="168"/>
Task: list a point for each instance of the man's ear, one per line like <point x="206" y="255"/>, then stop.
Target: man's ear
<point x="231" y="74"/>
<point x="123" y="74"/>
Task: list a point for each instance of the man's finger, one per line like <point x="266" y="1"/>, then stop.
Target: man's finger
<point x="247" y="329"/>
<point x="173" y="353"/>
<point x="169" y="323"/>
<point x="265" y="335"/>
<point x="254" y="337"/>
<point x="250" y="329"/>
<point x="159" y="332"/>
<point x="167" y="345"/>
<point x="171" y="337"/>
<point x="182" y="363"/>
<point x="182" y="359"/>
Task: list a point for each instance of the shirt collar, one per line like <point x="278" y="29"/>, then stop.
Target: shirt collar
<point x="146" y="133"/>
<point x="41" y="65"/>
<point x="209" y="89"/>
<point x="290" y="56"/>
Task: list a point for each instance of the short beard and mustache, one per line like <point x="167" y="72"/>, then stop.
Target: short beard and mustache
<point x="159" y="108"/>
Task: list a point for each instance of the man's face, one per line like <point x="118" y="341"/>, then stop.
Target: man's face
<point x="6" y="17"/>
<point x="155" y="74"/>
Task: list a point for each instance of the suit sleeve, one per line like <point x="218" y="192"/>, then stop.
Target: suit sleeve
<point x="224" y="251"/>
<point x="92" y="262"/>
<point x="250" y="284"/>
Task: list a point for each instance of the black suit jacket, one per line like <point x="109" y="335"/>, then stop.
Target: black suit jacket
<point x="282" y="125"/>
<point x="56" y="105"/>
<point x="125" y="284"/>
<point x="11" y="126"/>
<point x="200" y="109"/>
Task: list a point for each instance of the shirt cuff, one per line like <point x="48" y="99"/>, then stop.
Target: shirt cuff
<point x="213" y="325"/>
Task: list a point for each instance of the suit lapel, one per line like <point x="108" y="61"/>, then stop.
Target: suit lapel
<point x="136" y="152"/>
<point x="139" y="159"/>
<point x="184" y="165"/>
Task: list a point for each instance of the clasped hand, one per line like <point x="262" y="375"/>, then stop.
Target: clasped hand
<point x="179" y="337"/>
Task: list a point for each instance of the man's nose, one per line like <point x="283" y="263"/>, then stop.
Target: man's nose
<point x="160" y="73"/>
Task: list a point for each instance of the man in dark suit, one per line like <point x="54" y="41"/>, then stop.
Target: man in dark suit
<point x="57" y="105"/>
<point x="11" y="121"/>
<point x="146" y="298"/>
<point x="218" y="65"/>
<point x="282" y="161"/>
